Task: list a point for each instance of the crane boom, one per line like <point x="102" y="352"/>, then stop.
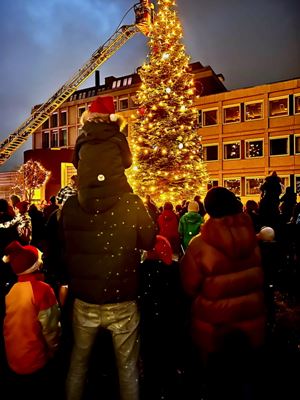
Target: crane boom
<point x="105" y="51"/>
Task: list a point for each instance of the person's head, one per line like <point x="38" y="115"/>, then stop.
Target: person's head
<point x="168" y="206"/>
<point x="14" y="199"/>
<point x="52" y="199"/>
<point x="103" y="110"/>
<point x="197" y="198"/>
<point x="266" y="234"/>
<point x="251" y="206"/>
<point x="21" y="207"/>
<point x="3" y="206"/>
<point x="23" y="259"/>
<point x="193" y="206"/>
<point x="220" y="202"/>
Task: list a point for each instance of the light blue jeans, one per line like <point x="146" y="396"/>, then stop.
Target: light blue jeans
<point x="122" y="320"/>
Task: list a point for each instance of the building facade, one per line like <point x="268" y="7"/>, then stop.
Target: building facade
<point x="246" y="133"/>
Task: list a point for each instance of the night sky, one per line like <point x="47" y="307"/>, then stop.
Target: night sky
<point x="43" y="42"/>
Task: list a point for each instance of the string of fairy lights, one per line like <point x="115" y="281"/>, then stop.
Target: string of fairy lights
<point x="166" y="146"/>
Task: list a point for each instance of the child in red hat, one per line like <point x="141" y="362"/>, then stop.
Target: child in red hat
<point x="31" y="324"/>
<point x="101" y="156"/>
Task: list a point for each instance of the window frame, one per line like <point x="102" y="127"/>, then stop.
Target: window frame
<point x="203" y="117"/>
<point x="211" y="145"/>
<point x="254" y="102"/>
<point x="253" y="177"/>
<point x="60" y="117"/>
<point x="231" y="106"/>
<point x="253" y="140"/>
<point x="296" y="136"/>
<point x="296" y="95"/>
<point x="295" y="183"/>
<point x="78" y="111"/>
<point x="232" y="142"/>
<point x="120" y="100"/>
<point x="288" y="146"/>
<point x="233" y="178"/>
<point x="270" y="99"/>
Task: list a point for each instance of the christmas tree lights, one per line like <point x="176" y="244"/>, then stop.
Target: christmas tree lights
<point x="164" y="140"/>
<point x="30" y="176"/>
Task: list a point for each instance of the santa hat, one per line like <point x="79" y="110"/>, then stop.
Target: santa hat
<point x="103" y="105"/>
<point x="22" y="206"/>
<point x="162" y="250"/>
<point x="23" y="259"/>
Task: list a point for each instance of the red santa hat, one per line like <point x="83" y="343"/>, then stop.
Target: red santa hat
<point x="162" y="250"/>
<point x="23" y="259"/>
<point x="22" y="206"/>
<point x="103" y="105"/>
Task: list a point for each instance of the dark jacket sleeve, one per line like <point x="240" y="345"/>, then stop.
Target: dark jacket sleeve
<point x="125" y="151"/>
<point x="76" y="150"/>
<point x="147" y="229"/>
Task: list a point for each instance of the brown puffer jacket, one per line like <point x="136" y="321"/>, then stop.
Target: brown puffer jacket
<point x="221" y="270"/>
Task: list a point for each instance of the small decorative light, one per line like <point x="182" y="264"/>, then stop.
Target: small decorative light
<point x="168" y="90"/>
<point x="180" y="146"/>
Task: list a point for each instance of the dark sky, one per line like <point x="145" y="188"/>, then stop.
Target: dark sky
<point x="43" y="42"/>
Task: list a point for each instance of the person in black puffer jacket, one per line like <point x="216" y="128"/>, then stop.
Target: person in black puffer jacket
<point x="103" y="230"/>
<point x="101" y="154"/>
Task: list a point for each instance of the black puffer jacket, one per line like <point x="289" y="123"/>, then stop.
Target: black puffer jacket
<point x="103" y="250"/>
<point x="101" y="156"/>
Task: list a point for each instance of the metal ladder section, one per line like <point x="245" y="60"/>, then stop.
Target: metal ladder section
<point x="103" y="53"/>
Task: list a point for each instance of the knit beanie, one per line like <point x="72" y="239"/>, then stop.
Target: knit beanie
<point x="22" y="258"/>
<point x="220" y="202"/>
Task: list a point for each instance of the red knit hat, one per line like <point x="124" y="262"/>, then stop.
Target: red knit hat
<point x="103" y="105"/>
<point x="21" y="257"/>
<point x="22" y="206"/>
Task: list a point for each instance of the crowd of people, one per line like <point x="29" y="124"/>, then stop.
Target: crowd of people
<point x="179" y="294"/>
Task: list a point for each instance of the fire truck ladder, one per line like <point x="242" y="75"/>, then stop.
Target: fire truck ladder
<point x="103" y="53"/>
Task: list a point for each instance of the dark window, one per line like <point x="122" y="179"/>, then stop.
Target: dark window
<point x="297" y="144"/>
<point x="210" y="153"/>
<point x="63" y="138"/>
<point x="45" y="124"/>
<point x="54" y="139"/>
<point x="54" y="120"/>
<point x="278" y="146"/>
<point x="45" y="140"/>
<point x="123" y="104"/>
<point x="212" y="183"/>
<point x="81" y="110"/>
<point x="63" y="118"/>
<point x="209" y="117"/>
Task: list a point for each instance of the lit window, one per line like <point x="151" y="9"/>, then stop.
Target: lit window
<point x="209" y="117"/>
<point x="210" y="153"/>
<point x="297" y="144"/>
<point x="297" y="183"/>
<point x="232" y="114"/>
<point x="297" y="104"/>
<point x="254" y="148"/>
<point x="232" y="151"/>
<point x="129" y="80"/>
<point x="234" y="185"/>
<point x="119" y="83"/>
<point x="114" y="85"/>
<point x="278" y="107"/>
<point x="279" y="146"/>
<point x="124" y="81"/>
<point x="253" y="185"/>
<point x="253" y="111"/>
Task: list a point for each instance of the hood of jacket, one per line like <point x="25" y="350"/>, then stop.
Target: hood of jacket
<point x="192" y="217"/>
<point x="97" y="131"/>
<point x="168" y="215"/>
<point x="232" y="235"/>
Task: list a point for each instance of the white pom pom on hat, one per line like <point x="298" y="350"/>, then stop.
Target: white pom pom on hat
<point x="266" y="234"/>
<point x="113" y="117"/>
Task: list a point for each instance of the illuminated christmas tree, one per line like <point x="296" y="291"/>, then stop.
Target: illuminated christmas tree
<point x="30" y="176"/>
<point x="164" y="140"/>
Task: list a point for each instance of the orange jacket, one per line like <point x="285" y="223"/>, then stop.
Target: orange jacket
<point x="31" y="324"/>
<point x="221" y="270"/>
